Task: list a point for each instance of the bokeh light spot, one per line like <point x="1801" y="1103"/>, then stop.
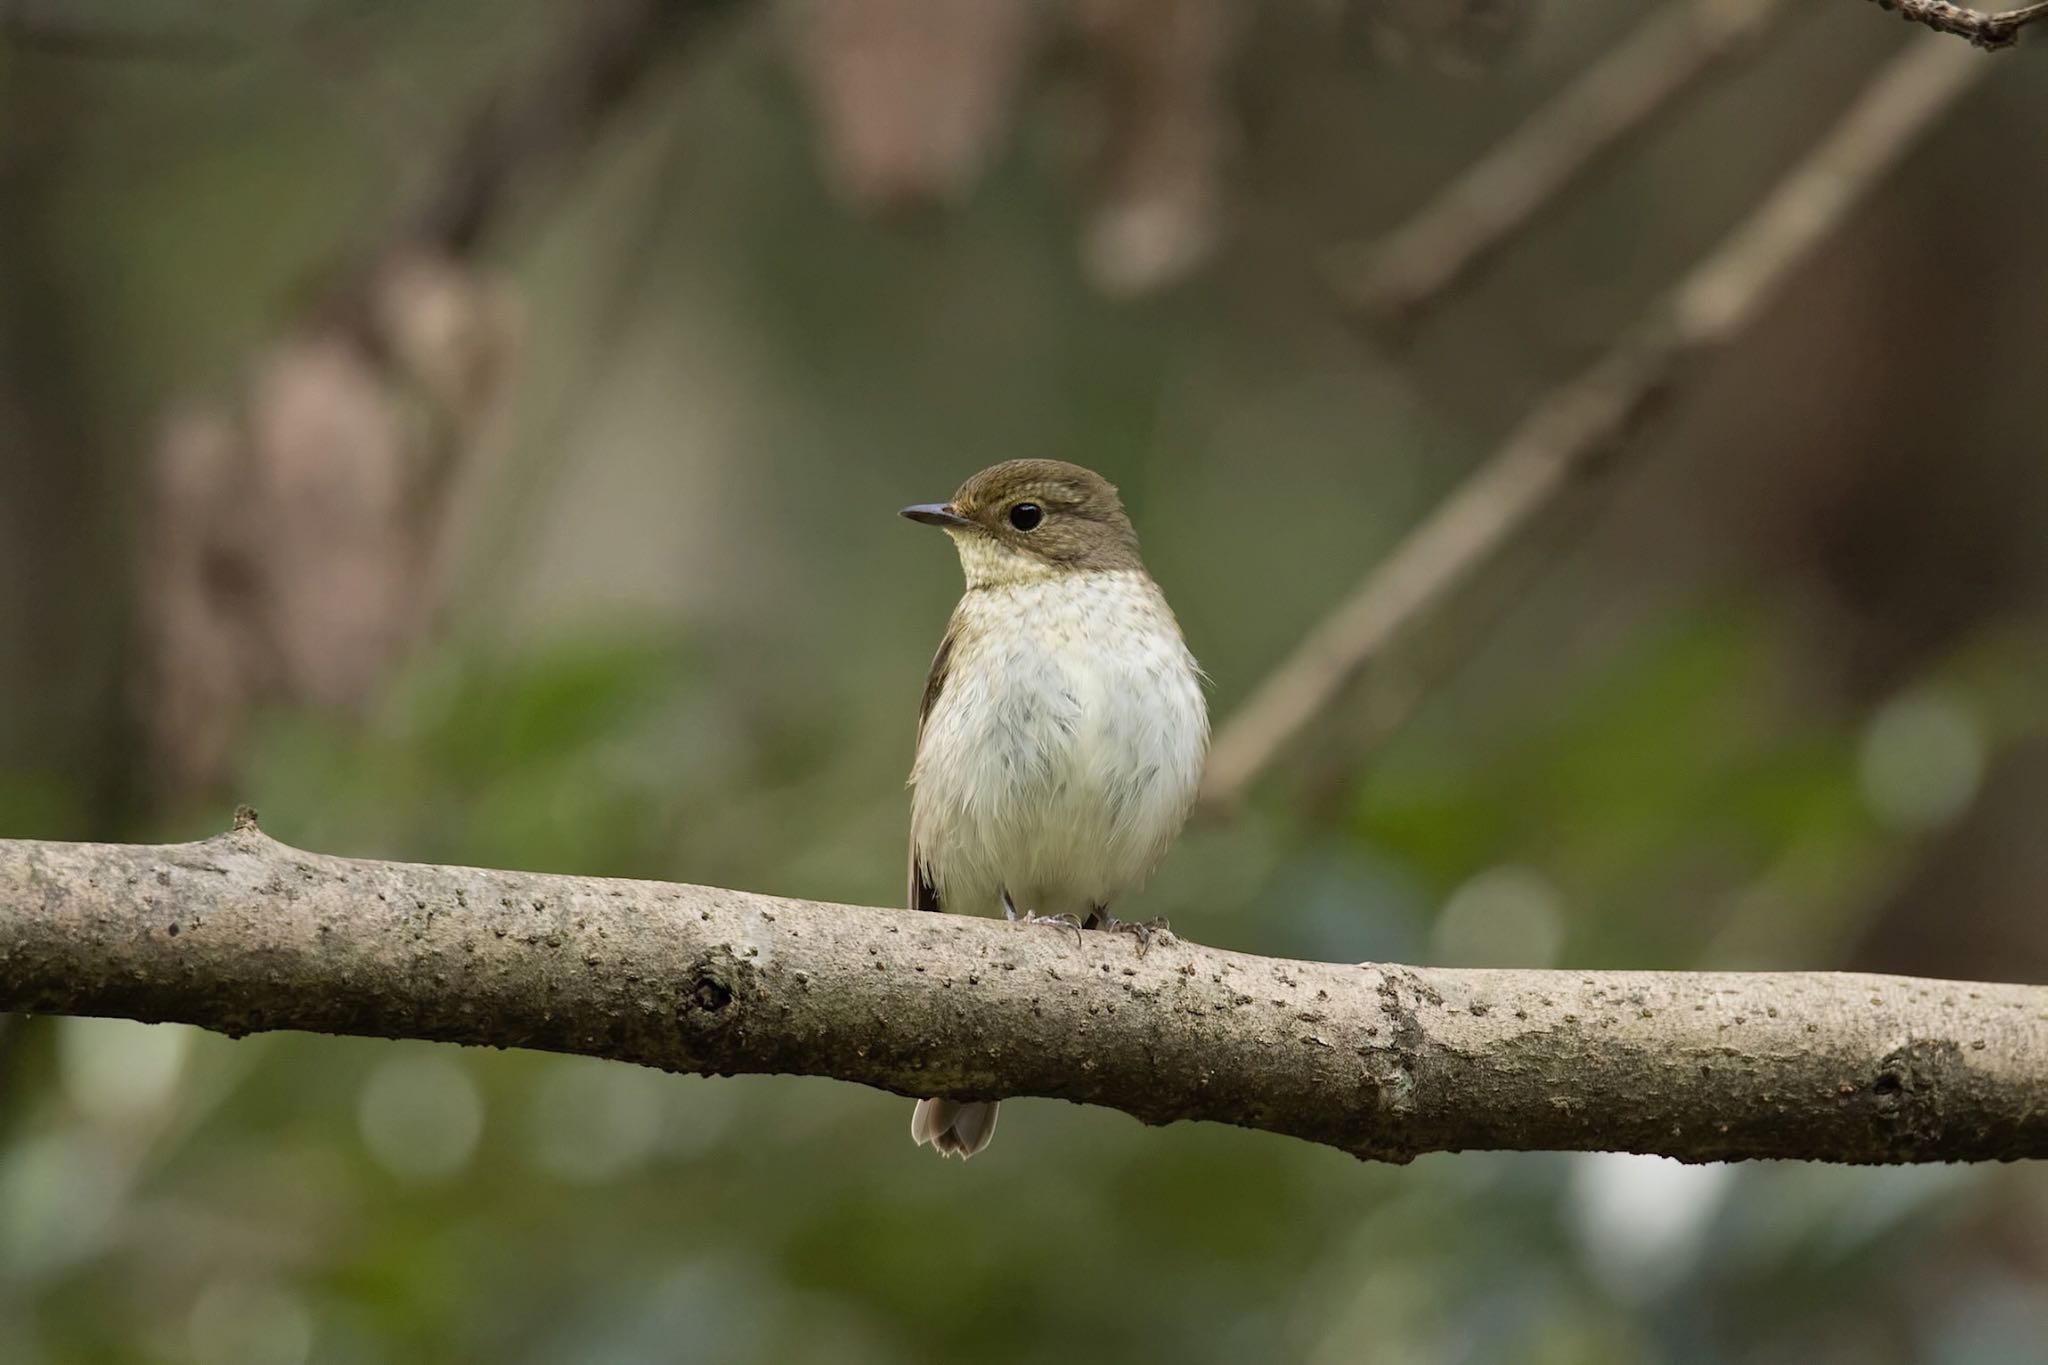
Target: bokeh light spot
<point x="421" y="1116"/>
<point x="1507" y="916"/>
<point x="1922" y="760"/>
<point x="117" y="1071"/>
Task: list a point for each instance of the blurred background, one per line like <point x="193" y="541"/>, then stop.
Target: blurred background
<point x="472" y="432"/>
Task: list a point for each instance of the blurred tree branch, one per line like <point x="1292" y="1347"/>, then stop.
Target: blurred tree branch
<point x="533" y="129"/>
<point x="53" y="29"/>
<point x="1591" y="417"/>
<point x="1986" y="30"/>
<point x="240" y="934"/>
<point x="1674" y="49"/>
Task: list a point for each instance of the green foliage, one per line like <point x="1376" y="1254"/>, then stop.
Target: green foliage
<point x="1679" y="773"/>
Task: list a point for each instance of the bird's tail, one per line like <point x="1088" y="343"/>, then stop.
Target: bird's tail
<point x="953" y="1128"/>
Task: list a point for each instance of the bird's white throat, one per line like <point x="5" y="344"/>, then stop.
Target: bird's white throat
<point x="989" y="563"/>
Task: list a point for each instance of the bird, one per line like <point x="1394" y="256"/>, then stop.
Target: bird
<point x="1063" y="728"/>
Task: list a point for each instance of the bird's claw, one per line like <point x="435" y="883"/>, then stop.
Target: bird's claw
<point x="1068" y="922"/>
<point x="1141" y="930"/>
<point x="1016" y="916"/>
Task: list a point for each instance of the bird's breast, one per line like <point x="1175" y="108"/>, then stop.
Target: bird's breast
<point x="1064" y="749"/>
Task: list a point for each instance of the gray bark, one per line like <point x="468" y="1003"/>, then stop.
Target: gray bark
<point x="241" y="933"/>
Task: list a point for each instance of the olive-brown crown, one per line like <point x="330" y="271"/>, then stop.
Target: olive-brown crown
<point x="1054" y="511"/>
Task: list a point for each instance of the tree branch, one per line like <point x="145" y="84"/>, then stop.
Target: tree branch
<point x="2001" y="29"/>
<point x="1569" y="432"/>
<point x="1677" y="46"/>
<point x="240" y="933"/>
<point x="527" y="132"/>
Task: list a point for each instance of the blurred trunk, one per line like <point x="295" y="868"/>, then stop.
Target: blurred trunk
<point x="1972" y="903"/>
<point x="295" y="541"/>
<point x="297" y="548"/>
<point x="61" y="561"/>
<point x="1859" y="457"/>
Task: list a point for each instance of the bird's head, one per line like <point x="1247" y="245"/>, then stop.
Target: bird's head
<point x="1032" y="519"/>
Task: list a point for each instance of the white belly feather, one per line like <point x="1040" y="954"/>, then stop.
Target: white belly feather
<point x="1064" y="750"/>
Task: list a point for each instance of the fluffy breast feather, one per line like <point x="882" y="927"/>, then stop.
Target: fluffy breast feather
<point x="1061" y="756"/>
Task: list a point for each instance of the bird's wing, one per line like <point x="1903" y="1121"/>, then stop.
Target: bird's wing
<point x="923" y="895"/>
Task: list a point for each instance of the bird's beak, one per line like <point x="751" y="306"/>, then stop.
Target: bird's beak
<point x="939" y="514"/>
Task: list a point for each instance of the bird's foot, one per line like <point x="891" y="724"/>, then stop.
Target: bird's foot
<point x="1141" y="930"/>
<point x="1016" y="916"/>
<point x="1071" y="923"/>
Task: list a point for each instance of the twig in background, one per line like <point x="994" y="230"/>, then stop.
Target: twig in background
<point x="52" y="29"/>
<point x="533" y="129"/>
<point x="1586" y="418"/>
<point x="1398" y="277"/>
<point x="1985" y="30"/>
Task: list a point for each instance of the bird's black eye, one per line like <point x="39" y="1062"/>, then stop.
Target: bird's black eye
<point x="1026" y="515"/>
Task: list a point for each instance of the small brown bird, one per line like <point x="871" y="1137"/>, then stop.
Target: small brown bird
<point x="1063" y="728"/>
